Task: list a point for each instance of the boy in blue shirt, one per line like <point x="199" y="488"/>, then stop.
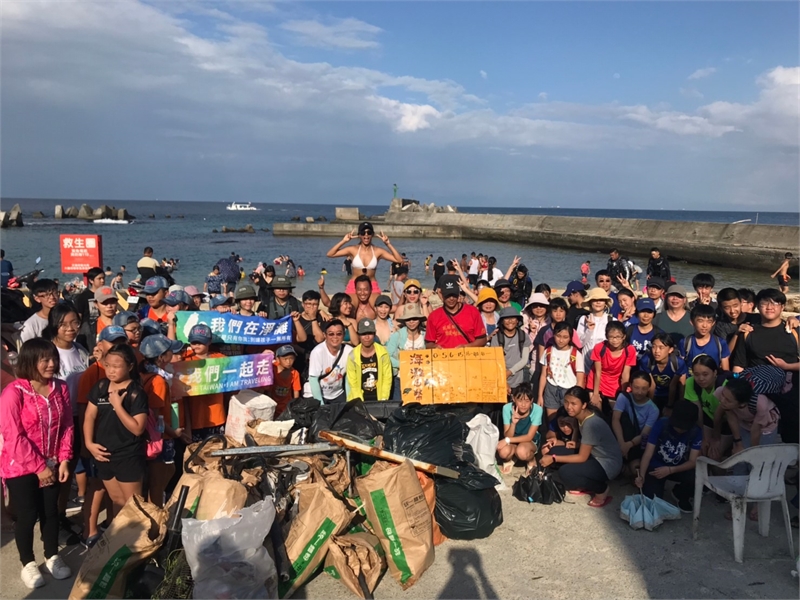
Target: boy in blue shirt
<point x="703" y="341"/>
<point x="641" y="334"/>
<point x="522" y="418"/>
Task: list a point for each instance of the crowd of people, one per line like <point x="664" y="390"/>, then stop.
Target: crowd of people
<point x="603" y="381"/>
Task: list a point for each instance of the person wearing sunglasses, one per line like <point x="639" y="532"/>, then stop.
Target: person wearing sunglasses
<point x="327" y="365"/>
<point x="45" y="292"/>
<point x="412" y="294"/>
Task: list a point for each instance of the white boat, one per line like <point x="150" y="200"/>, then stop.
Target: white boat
<point x="111" y="222"/>
<point x="241" y="206"/>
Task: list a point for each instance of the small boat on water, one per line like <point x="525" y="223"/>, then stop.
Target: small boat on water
<point x="241" y="206"/>
<point x="111" y="222"/>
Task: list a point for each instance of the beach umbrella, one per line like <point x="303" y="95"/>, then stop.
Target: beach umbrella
<point x="642" y="512"/>
<point x="229" y="269"/>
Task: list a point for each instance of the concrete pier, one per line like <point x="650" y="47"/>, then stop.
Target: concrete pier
<point x="740" y="246"/>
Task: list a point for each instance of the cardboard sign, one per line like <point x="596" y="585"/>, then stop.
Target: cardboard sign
<point x="454" y="376"/>
<point x="81" y="252"/>
<point x="228" y="374"/>
<point x="227" y="328"/>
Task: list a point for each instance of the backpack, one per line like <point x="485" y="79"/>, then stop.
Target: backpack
<point x="573" y="359"/>
<point x="651" y="363"/>
<point x="630" y="421"/>
<point x="687" y="345"/>
<point x="502" y="336"/>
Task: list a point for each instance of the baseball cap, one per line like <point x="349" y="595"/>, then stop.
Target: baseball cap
<point x="448" y="284"/>
<point x="645" y="304"/>
<point x="155" y="345"/>
<point x="175" y="288"/>
<point x="192" y="290"/>
<point x="281" y="282"/>
<point x="245" y="292"/>
<point x="175" y="298"/>
<point x="112" y="333"/>
<point x="366" y="326"/>
<point x="383" y="299"/>
<point x="218" y="300"/>
<point x="124" y="318"/>
<point x="574" y="286"/>
<point x="104" y="293"/>
<point x="150" y="327"/>
<point x="656" y="282"/>
<point x="154" y="284"/>
<point x="200" y="333"/>
<point x="412" y="283"/>
<point x="677" y="290"/>
<point x="286" y="350"/>
<point x="365" y="227"/>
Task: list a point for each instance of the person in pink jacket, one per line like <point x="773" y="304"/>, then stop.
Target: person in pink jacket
<point x="37" y="429"/>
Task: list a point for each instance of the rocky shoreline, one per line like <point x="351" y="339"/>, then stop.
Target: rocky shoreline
<point x="13" y="217"/>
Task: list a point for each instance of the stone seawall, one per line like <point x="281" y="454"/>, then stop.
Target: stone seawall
<point x="740" y="246"/>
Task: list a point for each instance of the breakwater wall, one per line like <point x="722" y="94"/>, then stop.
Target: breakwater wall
<point x="739" y="246"/>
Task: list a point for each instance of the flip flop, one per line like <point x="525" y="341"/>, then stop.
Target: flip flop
<point x="605" y="502"/>
<point x="507" y="467"/>
<point x="578" y="493"/>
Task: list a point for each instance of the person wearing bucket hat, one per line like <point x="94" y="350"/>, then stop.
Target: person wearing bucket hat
<point x="666" y="457"/>
<point x="591" y="327"/>
<point x="281" y="302"/>
<point x="246" y="297"/>
<point x="504" y="291"/>
<point x="365" y="256"/>
<point x="411" y="336"/>
<point x="516" y="346"/>
<point x="369" y="368"/>
<point x="675" y="319"/>
<point x="155" y="290"/>
<point x="454" y="324"/>
<point x="488" y="305"/>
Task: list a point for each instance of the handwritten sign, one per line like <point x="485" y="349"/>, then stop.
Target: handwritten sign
<point x="236" y="329"/>
<point x="80" y="252"/>
<point x="453" y="376"/>
<point x="228" y="374"/>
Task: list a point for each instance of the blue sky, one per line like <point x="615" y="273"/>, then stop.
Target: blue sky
<point x="613" y="105"/>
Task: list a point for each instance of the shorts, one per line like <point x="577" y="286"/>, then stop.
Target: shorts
<point x="341" y="398"/>
<point x="473" y="279"/>
<point x="783" y="280"/>
<point x="351" y="287"/>
<point x="553" y="396"/>
<point x="88" y="466"/>
<point x="126" y="470"/>
<point x="198" y="435"/>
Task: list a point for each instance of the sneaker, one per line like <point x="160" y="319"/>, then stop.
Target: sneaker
<point x="685" y="505"/>
<point x="31" y="576"/>
<point x="91" y="540"/>
<point x="57" y="568"/>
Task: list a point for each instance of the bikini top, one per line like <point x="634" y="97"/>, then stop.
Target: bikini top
<point x="357" y="264"/>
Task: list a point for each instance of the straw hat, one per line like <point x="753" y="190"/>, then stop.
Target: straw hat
<point x="485" y="294"/>
<point x="597" y="294"/>
<point x="412" y="311"/>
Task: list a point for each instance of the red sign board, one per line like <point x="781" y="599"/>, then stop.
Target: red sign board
<point x="80" y="252"/>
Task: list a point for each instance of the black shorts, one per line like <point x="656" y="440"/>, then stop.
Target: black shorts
<point x="473" y="279"/>
<point x="126" y="470"/>
<point x="783" y="281"/>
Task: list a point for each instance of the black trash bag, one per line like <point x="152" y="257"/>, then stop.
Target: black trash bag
<point x="422" y="433"/>
<point x="540" y="486"/>
<point x="468" y="508"/>
<point x="345" y="417"/>
<point x="302" y="410"/>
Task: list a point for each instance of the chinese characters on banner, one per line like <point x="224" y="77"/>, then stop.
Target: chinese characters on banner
<point x="229" y="374"/>
<point x="235" y="329"/>
<point x="81" y="252"/>
<point x="453" y="376"/>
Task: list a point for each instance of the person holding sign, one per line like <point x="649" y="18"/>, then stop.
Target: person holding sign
<point x="521" y="420"/>
<point x="327" y="365"/>
<point x="369" y="368"/>
<point x="206" y="414"/>
<point x="454" y="325"/>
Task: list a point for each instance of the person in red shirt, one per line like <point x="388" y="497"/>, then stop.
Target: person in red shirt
<point x="155" y="290"/>
<point x="612" y="361"/>
<point x="206" y="414"/>
<point x="454" y="325"/>
<point x="286" y="384"/>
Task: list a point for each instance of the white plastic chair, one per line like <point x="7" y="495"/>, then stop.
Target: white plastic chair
<point x="764" y="485"/>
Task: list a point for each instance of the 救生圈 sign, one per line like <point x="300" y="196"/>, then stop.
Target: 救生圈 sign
<point x="80" y="252"/>
<point x="228" y="374"/>
<point x="453" y="376"/>
<point x="227" y="328"/>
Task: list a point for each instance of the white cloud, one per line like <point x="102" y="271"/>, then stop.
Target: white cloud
<point x="542" y="95"/>
<point x="616" y="75"/>
<point x="702" y="73"/>
<point x="483" y="73"/>
<point x="344" y="34"/>
<point x="691" y="93"/>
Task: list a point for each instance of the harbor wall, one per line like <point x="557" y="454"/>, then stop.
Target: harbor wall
<point x="739" y="246"/>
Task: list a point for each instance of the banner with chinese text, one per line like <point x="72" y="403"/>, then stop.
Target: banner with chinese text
<point x="236" y="329"/>
<point x="453" y="376"/>
<point x="228" y="374"/>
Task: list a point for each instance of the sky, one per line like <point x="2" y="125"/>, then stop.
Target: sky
<point x="645" y="105"/>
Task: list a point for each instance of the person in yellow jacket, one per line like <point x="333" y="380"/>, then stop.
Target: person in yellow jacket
<point x="369" y="368"/>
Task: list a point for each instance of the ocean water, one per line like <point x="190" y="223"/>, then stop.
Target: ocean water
<point x="187" y="235"/>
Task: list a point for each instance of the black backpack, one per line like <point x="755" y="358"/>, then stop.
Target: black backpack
<point x="540" y="486"/>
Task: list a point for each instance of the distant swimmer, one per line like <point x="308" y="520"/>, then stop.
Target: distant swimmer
<point x="783" y="273"/>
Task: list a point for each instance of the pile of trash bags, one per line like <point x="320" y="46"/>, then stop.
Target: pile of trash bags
<point x="261" y="526"/>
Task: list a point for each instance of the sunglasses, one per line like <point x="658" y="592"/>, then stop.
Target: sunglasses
<point x="412" y="291"/>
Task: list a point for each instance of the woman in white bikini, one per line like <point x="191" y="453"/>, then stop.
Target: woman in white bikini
<point x="365" y="256"/>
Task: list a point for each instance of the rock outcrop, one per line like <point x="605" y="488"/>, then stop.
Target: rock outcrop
<point x="38" y="215"/>
<point x="246" y="229"/>
<point x="86" y="212"/>
<point x="11" y="218"/>
<point x="59" y="212"/>
<point x="72" y="212"/>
